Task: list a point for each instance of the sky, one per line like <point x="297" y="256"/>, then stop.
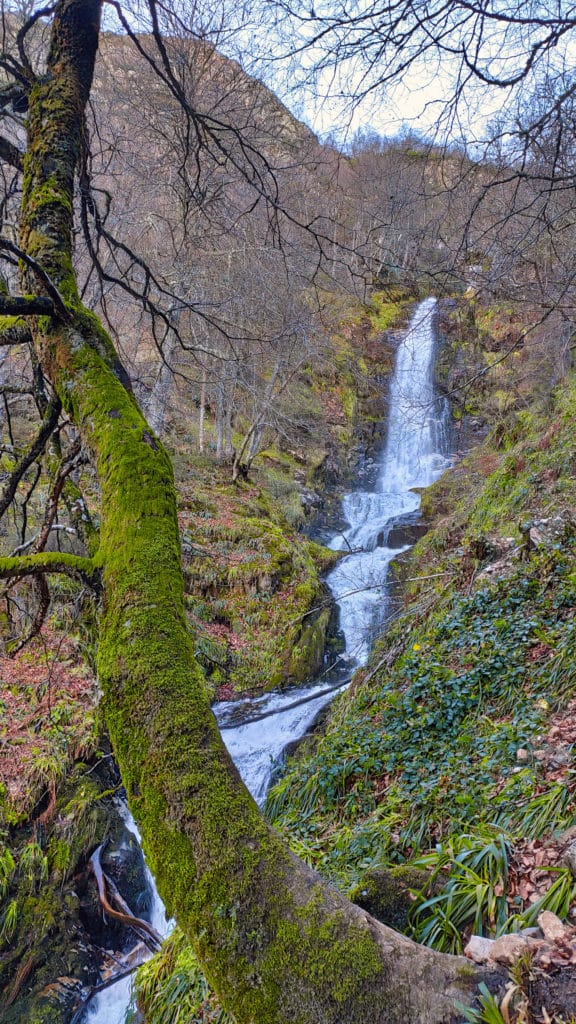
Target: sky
<point x="250" y="32"/>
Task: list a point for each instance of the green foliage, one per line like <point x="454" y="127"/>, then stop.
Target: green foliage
<point x="420" y="767"/>
<point x="474" y="869"/>
<point x="33" y="866"/>
<point x="8" y="922"/>
<point x="558" y="899"/>
<point x="488" y="1012"/>
<point x="171" y="989"/>
<point x="7" y="869"/>
<point x="447" y="722"/>
<point x="284" y="492"/>
<point x="250" y="603"/>
<point x="384" y="311"/>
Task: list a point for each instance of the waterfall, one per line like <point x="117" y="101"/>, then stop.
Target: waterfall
<point x="414" y="456"/>
<point x="257" y="731"/>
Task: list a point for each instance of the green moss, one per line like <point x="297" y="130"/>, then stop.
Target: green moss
<point x="383" y="311"/>
<point x="47" y="561"/>
<point x="308" y="651"/>
<point x="387" y="894"/>
<point x="328" y="956"/>
<point x="261" y="583"/>
<point x="9" y="323"/>
<point x="47" y="933"/>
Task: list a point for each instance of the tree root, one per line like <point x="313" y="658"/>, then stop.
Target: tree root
<point x="142" y="928"/>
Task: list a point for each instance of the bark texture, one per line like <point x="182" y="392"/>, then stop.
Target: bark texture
<point x="276" y="942"/>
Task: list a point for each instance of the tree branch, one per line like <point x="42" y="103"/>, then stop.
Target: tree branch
<point x="14" y="331"/>
<point x="60" y="309"/>
<point x="16" y="305"/>
<point x="45" y="562"/>
<point x="36" y="448"/>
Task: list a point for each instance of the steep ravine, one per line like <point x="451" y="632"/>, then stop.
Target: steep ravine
<point x="454" y="756"/>
<point x="413" y="457"/>
<point x="257" y="731"/>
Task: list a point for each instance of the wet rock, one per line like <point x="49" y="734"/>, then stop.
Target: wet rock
<point x="123" y="860"/>
<point x="57" y="1001"/>
<point x="307" y="655"/>
<point x="404" y="530"/>
<point x="310" y="501"/>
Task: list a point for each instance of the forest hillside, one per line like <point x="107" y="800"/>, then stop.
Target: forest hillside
<point x="259" y="335"/>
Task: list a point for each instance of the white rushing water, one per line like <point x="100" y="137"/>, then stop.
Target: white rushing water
<point x="414" y="456"/>
<point x="111" y="1005"/>
<point x="257" y="731"/>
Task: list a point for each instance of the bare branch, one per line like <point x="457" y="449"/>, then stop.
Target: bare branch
<point x="43" y="591"/>
<point x="60" y="308"/>
<point x="47" y="427"/>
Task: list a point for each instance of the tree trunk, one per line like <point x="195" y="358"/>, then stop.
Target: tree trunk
<point x="202" y="415"/>
<point x="158" y="401"/>
<point x="219" y="420"/>
<point x="276" y="942"/>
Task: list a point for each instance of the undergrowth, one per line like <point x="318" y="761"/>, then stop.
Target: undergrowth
<point x="458" y="755"/>
<point x="171" y="988"/>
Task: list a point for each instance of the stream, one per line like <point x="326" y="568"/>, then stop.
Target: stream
<point x="257" y="731"/>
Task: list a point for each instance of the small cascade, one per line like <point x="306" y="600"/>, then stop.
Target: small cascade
<point x="258" y="731"/>
<point x="111" y="1005"/>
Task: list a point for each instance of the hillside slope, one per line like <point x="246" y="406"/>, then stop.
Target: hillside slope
<point x="453" y="751"/>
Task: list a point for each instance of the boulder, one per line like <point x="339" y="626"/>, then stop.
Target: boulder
<point x="478" y="949"/>
<point x="551" y="926"/>
<point x="406" y="529"/>
<point x="507" y="949"/>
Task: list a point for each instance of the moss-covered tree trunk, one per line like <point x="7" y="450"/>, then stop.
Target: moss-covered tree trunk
<point x="276" y="942"/>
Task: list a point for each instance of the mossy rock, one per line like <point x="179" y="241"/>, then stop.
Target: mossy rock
<point x="49" y="958"/>
<point x="307" y="655"/>
<point x="386" y="894"/>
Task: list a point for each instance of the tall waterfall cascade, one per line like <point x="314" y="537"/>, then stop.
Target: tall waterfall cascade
<point x="414" y="457"/>
<point x="257" y="731"/>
